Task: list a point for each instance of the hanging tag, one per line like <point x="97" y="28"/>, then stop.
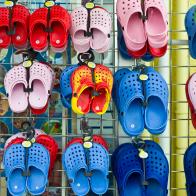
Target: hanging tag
<point x="143" y="77"/>
<point x="91" y="65"/>
<point x="142" y="154"/>
<point x="27" y="63"/>
<point x="26" y="144"/>
<point x="9" y="3"/>
<point x="33" y="140"/>
<point x="90" y="5"/>
<point x="87" y="145"/>
<point x="49" y="4"/>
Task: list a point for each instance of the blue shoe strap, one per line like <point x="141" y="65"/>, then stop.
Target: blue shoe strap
<point x="74" y="160"/>
<point x="39" y="158"/>
<point x="99" y="159"/>
<point x="156" y="86"/>
<point x="130" y="88"/>
<point x="14" y="158"/>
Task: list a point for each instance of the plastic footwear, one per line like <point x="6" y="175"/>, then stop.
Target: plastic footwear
<point x="157" y="171"/>
<point x="129" y="14"/>
<point x="60" y="23"/>
<point x="190" y="24"/>
<point x="117" y="79"/>
<point x="5" y="39"/>
<point x="74" y="164"/>
<point x="65" y="85"/>
<point x="189" y="168"/>
<point x="82" y="87"/>
<point x="156" y="25"/>
<point x="103" y="86"/>
<point x="131" y="107"/>
<point x="99" y="167"/>
<point x="128" y="170"/>
<point x="37" y="28"/>
<point x="51" y="145"/>
<point x="18" y="137"/>
<point x="15" y="82"/>
<point x="100" y="26"/>
<point x="41" y="80"/>
<point x="38" y="166"/>
<point x="96" y="138"/>
<point x="20" y="22"/>
<point x="156" y="95"/>
<point x="191" y="97"/>
<point x="78" y="30"/>
<point x="14" y="165"/>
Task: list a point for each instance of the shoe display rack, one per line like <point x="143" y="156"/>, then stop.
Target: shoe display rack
<point x="62" y="124"/>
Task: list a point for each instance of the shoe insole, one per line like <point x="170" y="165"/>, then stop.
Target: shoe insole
<point x="99" y="101"/>
<point x="17" y="182"/>
<point x="38" y="98"/>
<point x="99" y="182"/>
<point x="154" y="188"/>
<point x="84" y="100"/>
<point x="20" y="37"/>
<point x="81" y="183"/>
<point x="39" y="36"/>
<point x="193" y="189"/>
<point x="156" y="115"/>
<point x="57" y="36"/>
<point x="99" y="39"/>
<point x="4" y="38"/>
<point x="36" y="181"/>
<point x="17" y="99"/>
<point x="133" y="117"/>
<point x="156" y="24"/>
<point x="133" y="185"/>
<point x="135" y="29"/>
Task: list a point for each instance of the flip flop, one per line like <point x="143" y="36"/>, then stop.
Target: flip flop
<point x="128" y="170"/>
<point x="16" y="138"/>
<point x="129" y="14"/>
<point x="156" y="25"/>
<point x="20" y="22"/>
<point x="60" y="23"/>
<point x="74" y="164"/>
<point x="96" y="138"/>
<point x="100" y="26"/>
<point x="103" y="86"/>
<point x="5" y="39"/>
<point x="65" y="85"/>
<point x="189" y="168"/>
<point x="51" y="145"/>
<point x="156" y="95"/>
<point x="41" y="80"/>
<point x="117" y="79"/>
<point x="78" y="30"/>
<point x="38" y="166"/>
<point x="131" y="108"/>
<point x="37" y="28"/>
<point x="190" y="24"/>
<point x="157" y="171"/>
<point x="99" y="167"/>
<point x="191" y="97"/>
<point x="82" y="87"/>
<point x="15" y="82"/>
<point x="14" y="166"/>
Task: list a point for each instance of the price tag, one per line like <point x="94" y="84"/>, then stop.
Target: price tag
<point x="26" y="144"/>
<point x="9" y="3"/>
<point x="90" y="5"/>
<point x="27" y="63"/>
<point x="143" y="77"/>
<point x="91" y="65"/>
<point x="87" y="145"/>
<point x="143" y="154"/>
<point x="49" y="3"/>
